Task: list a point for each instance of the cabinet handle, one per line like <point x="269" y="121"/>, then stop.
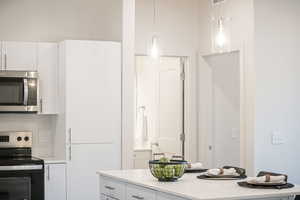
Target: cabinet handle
<point x="41" y="105"/>
<point x="70" y="152"/>
<point x="137" y="197"/>
<point x="70" y="143"/>
<point x="70" y="135"/>
<point x="48" y="174"/>
<point x="5" y="62"/>
<point x="109" y="188"/>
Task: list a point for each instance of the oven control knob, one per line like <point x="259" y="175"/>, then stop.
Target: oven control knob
<point x="26" y="138"/>
<point x="19" y="139"/>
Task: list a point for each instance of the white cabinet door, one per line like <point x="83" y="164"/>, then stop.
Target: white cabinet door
<point x="55" y="182"/>
<point x="93" y="91"/>
<point x="20" y="56"/>
<point x="85" y="161"/>
<point x="48" y="71"/>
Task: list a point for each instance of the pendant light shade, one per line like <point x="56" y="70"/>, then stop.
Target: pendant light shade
<point x="220" y="35"/>
<point x="154" y="48"/>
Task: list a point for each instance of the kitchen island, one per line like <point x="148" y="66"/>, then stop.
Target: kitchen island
<point x="141" y="185"/>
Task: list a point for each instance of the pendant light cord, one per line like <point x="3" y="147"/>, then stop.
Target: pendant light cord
<point x="154" y="15"/>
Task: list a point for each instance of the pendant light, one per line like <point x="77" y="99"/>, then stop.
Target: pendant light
<point x="154" y="51"/>
<point x="220" y="35"/>
<point x="154" y="48"/>
<point x="220" y="27"/>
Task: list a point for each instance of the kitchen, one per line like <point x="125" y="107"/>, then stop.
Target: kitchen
<point x="66" y="43"/>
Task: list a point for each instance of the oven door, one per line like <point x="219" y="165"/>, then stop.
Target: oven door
<point x="18" y="94"/>
<point x="15" y="188"/>
<point x="22" y="182"/>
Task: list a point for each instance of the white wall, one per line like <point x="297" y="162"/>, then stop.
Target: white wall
<point x="277" y="47"/>
<point x="42" y="127"/>
<point x="56" y="20"/>
<point x="176" y="26"/>
<point x="178" y="35"/>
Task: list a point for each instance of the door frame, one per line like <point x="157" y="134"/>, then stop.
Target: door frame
<point x="184" y="64"/>
<point x="128" y="60"/>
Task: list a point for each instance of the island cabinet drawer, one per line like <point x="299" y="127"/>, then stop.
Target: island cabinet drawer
<point x="112" y="188"/>
<point x="162" y="196"/>
<point x="104" y="197"/>
<point x="139" y="193"/>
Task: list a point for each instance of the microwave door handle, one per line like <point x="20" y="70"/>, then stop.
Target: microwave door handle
<point x="25" y="92"/>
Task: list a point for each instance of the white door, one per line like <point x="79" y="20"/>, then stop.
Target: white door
<point x="93" y="91"/>
<point x="20" y="56"/>
<point x="48" y="72"/>
<point x="86" y="160"/>
<point x="55" y="182"/>
<point x="170" y="106"/>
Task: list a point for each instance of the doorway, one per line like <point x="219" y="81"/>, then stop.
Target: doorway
<point x="220" y="109"/>
<point x="159" y="105"/>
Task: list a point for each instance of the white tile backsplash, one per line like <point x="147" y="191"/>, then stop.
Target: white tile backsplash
<point x="42" y="127"/>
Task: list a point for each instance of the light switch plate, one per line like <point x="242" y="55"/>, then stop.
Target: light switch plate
<point x="277" y="138"/>
<point x="235" y="133"/>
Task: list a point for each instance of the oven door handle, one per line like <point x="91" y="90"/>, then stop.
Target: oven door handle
<point x="21" y="167"/>
<point x="25" y="81"/>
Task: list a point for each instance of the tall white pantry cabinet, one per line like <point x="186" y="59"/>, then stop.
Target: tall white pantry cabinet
<point x="89" y="112"/>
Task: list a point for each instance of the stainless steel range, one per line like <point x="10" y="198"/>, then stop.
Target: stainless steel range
<point x="21" y="175"/>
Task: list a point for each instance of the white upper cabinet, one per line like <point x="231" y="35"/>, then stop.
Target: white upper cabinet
<point x="93" y="91"/>
<point x="20" y="56"/>
<point x="55" y="182"/>
<point x="48" y="72"/>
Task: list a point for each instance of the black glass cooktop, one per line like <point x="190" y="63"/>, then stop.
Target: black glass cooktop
<point x="6" y="161"/>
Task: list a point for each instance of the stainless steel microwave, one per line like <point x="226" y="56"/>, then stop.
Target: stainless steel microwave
<point x="19" y="91"/>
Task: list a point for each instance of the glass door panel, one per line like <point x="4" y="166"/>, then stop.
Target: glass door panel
<point x="11" y="91"/>
<point x="15" y="188"/>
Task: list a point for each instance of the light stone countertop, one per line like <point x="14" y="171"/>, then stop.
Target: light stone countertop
<point x="51" y="160"/>
<point x="190" y="187"/>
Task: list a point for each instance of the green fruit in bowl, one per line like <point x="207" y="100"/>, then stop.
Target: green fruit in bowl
<point x="158" y="172"/>
<point x="179" y="169"/>
<point x="163" y="160"/>
<point x="169" y="171"/>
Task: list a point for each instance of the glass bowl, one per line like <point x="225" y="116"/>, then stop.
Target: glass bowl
<point x="167" y="171"/>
